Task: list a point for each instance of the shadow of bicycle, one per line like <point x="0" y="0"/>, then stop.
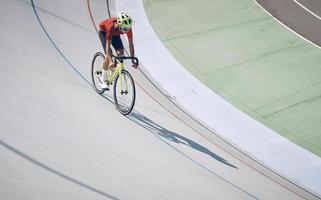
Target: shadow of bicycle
<point x="172" y="136"/>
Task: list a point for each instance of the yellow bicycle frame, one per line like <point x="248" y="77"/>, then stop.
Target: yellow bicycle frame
<point x="112" y="73"/>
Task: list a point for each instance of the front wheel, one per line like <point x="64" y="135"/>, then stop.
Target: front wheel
<point x="124" y="92"/>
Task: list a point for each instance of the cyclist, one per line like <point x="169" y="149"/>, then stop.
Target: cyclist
<point x="109" y="34"/>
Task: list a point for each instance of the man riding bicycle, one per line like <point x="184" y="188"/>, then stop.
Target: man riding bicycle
<point x="109" y="34"/>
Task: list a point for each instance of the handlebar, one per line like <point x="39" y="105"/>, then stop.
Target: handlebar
<point x="119" y="58"/>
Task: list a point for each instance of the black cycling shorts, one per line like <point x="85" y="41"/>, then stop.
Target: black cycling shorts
<point x="115" y="41"/>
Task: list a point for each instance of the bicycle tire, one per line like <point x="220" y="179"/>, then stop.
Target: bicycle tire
<point x="95" y="73"/>
<point x="124" y="109"/>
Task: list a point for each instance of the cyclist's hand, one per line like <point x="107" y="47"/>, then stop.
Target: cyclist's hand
<point x="112" y="65"/>
<point x="135" y="65"/>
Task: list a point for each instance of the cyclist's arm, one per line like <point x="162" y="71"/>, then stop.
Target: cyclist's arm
<point x="132" y="49"/>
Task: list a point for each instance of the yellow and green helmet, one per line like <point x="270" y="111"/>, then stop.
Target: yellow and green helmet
<point x="125" y="22"/>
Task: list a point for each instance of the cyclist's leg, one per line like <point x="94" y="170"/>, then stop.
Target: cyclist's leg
<point x="102" y="37"/>
<point x="118" y="45"/>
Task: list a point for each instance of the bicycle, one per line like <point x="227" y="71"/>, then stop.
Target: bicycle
<point x="122" y="81"/>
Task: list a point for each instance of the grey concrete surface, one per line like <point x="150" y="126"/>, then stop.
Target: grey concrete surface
<point x="61" y="140"/>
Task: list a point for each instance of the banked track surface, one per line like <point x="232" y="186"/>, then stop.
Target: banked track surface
<point x="60" y="140"/>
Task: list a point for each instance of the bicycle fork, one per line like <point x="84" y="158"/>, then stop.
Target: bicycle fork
<point x="123" y="80"/>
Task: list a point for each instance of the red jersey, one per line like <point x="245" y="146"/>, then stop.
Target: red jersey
<point x="108" y="26"/>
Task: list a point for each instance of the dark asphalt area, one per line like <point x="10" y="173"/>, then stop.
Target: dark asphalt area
<point x="296" y="17"/>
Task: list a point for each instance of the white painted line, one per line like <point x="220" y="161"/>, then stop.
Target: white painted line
<point x="298" y="34"/>
<point x="307" y="9"/>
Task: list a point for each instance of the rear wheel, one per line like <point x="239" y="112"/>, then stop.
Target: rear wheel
<point x="124" y="92"/>
<point x="96" y="64"/>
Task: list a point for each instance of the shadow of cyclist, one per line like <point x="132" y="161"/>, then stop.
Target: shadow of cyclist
<point x="174" y="137"/>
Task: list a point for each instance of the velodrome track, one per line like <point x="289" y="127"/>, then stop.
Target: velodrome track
<point x="60" y="140"/>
